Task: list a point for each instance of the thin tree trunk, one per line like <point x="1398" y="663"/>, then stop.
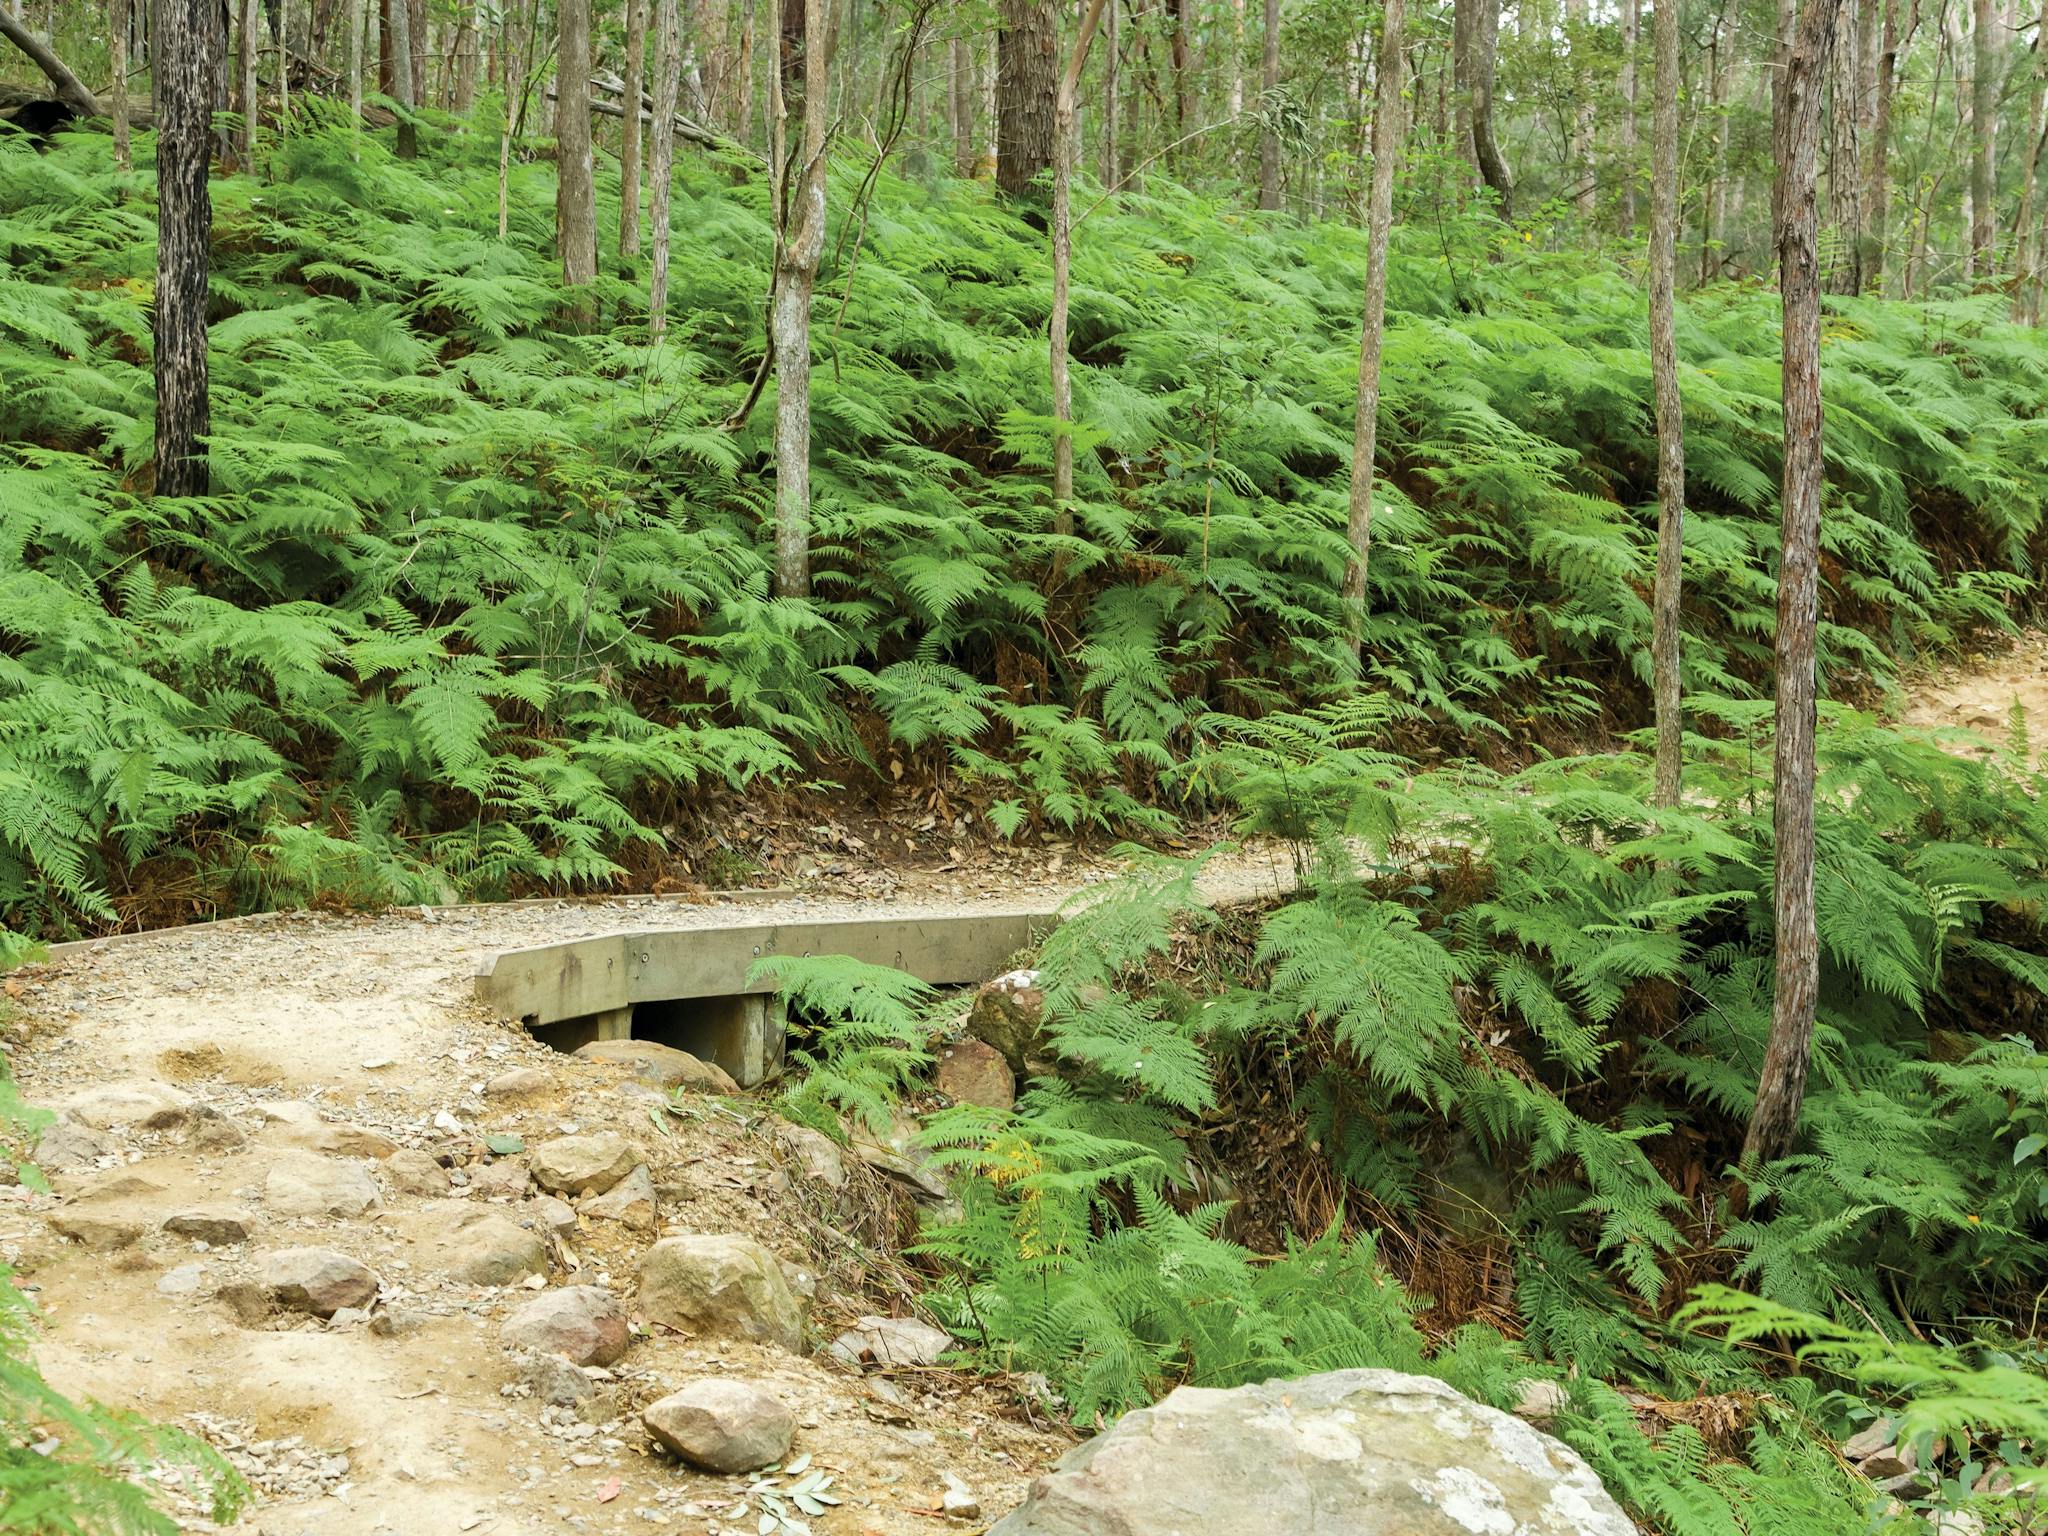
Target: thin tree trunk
<point x="469" y="49"/>
<point x="1485" y="146"/>
<point x="1233" y="90"/>
<point x="515" y="77"/>
<point x="1664" y="644"/>
<point x="805" y="71"/>
<point x="355" y="77"/>
<point x="960" y="104"/>
<point x="1112" y="83"/>
<point x="1379" y="225"/>
<point x="1877" y="194"/>
<point x="415" y="48"/>
<point x="1025" y="84"/>
<point x="1984" y="159"/>
<point x="1066" y="149"/>
<point x="187" y="57"/>
<point x="1587" y="190"/>
<point x="576" y="181"/>
<point x="1845" y="169"/>
<point x="1464" y="24"/>
<point x="1269" y="90"/>
<point x="245" y="85"/>
<point x="1177" y="54"/>
<point x="668" y="63"/>
<point x="117" y="91"/>
<point x="1781" y="1087"/>
<point x="399" y="19"/>
<point x="1714" y="201"/>
<point x="2026" y="250"/>
<point x="1631" y="42"/>
<point x="629" y="133"/>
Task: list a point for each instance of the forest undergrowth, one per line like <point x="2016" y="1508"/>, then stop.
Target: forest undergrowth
<point x="480" y="602"/>
<point x="480" y="605"/>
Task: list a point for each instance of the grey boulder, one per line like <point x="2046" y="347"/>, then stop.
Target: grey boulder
<point x="1367" y="1453"/>
<point x="722" y="1424"/>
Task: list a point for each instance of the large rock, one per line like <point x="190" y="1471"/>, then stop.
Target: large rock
<point x="1368" y="1453"/>
<point x="722" y="1425"/>
<point x="662" y="1065"/>
<point x="141" y="1103"/>
<point x="725" y="1286"/>
<point x="293" y="1123"/>
<point x="306" y="1184"/>
<point x="412" y="1172"/>
<point x="317" y="1280"/>
<point x="583" y="1165"/>
<point x="975" y="1072"/>
<point x="1009" y="1013"/>
<point x="582" y="1323"/>
<point x="112" y="1213"/>
<point x="67" y="1143"/>
<point x="481" y="1245"/>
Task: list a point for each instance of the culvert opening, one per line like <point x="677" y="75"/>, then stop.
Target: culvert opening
<point x="744" y="1033"/>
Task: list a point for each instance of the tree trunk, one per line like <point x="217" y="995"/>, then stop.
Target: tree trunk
<point x="2026" y="249"/>
<point x="117" y="91"/>
<point x="1877" y="192"/>
<point x="355" y="76"/>
<point x="245" y="85"/>
<point x="1024" y="93"/>
<point x="469" y="45"/>
<point x="960" y="104"/>
<point x="1664" y="644"/>
<point x="1714" y="201"/>
<point x="1177" y="53"/>
<point x="1233" y="89"/>
<point x="1269" y="90"/>
<point x="668" y="65"/>
<point x="187" y="50"/>
<point x="515" y="76"/>
<point x="384" y="74"/>
<point x="1464" y="21"/>
<point x="1379" y="225"/>
<point x="1587" y="189"/>
<point x="575" y="183"/>
<point x="1485" y="147"/>
<point x="415" y="48"/>
<point x="1781" y="1088"/>
<point x="629" y="133"/>
<point x="1631" y="42"/>
<point x="399" y="19"/>
<point x="803" y="72"/>
<point x="1066" y="149"/>
<point x="70" y="90"/>
<point x="1845" y="169"/>
<point x="1112" y="83"/>
<point x="1984" y="159"/>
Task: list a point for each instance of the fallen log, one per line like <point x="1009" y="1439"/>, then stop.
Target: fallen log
<point x="70" y="89"/>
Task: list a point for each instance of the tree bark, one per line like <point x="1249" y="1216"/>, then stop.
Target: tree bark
<point x="399" y="19"/>
<point x="1845" y="168"/>
<point x="1066" y="149"/>
<point x="1493" y="168"/>
<point x="1178" y="55"/>
<point x="469" y="48"/>
<point x="1984" y="159"/>
<point x="575" y="174"/>
<point x="515" y="83"/>
<point x="69" y="89"/>
<point x="1112" y="83"/>
<point x="245" y="84"/>
<point x="117" y="91"/>
<point x="668" y="66"/>
<point x="2026" y="248"/>
<point x="1269" y="134"/>
<point x="1024" y="93"/>
<point x="1781" y="1087"/>
<point x="960" y="104"/>
<point x="1631" y="42"/>
<point x="355" y="76"/>
<point x="187" y="52"/>
<point x="629" y="134"/>
<point x="1379" y="226"/>
<point x="803" y="72"/>
<point x="1714" y="201"/>
<point x="1664" y="643"/>
<point x="1587" y="190"/>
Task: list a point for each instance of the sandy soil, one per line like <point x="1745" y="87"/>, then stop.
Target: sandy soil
<point x="1979" y="699"/>
<point x="190" y="1047"/>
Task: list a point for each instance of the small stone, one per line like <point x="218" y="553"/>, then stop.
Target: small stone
<point x="507" y="1179"/>
<point x="412" y="1172"/>
<point x="1889" y="1463"/>
<point x="663" y="1066"/>
<point x="974" y="1072"/>
<point x="1541" y="1401"/>
<point x="304" y="1184"/>
<point x="99" y="1224"/>
<point x="185" y="1280"/>
<point x="1009" y="1014"/>
<point x="629" y="1202"/>
<point x="959" y="1501"/>
<point x="583" y="1165"/>
<point x="722" y="1424"/>
<point x="213" y="1131"/>
<point x="891" y="1341"/>
<point x="556" y="1216"/>
<point x="218" y="1226"/>
<point x="583" y="1323"/>
<point x="518" y="1083"/>
<point x="396" y="1322"/>
<point x="67" y="1143"/>
<point x="348" y="1317"/>
<point x="1868" y="1441"/>
<point x="296" y="1124"/>
<point x="317" y="1280"/>
<point x="723" y="1285"/>
<point x="485" y="1246"/>
<point x="815" y="1153"/>
<point x="142" y="1104"/>
<point x="555" y="1379"/>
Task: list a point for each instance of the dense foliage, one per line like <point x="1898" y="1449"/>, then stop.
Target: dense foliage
<point x="481" y="596"/>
